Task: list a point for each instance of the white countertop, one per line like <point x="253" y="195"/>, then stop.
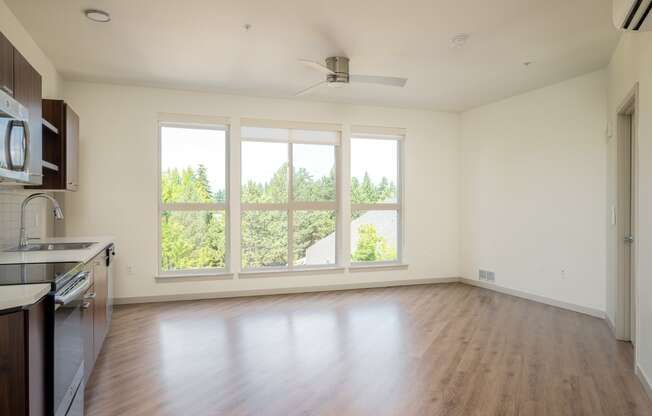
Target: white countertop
<point x="17" y="296"/>
<point x="58" y="256"/>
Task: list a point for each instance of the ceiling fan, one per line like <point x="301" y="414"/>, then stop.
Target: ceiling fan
<point x="337" y="75"/>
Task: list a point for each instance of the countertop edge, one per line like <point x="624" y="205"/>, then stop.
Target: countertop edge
<point x="61" y="256"/>
<point x="19" y="296"/>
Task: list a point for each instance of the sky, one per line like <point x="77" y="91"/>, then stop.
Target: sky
<point x="184" y="147"/>
<point x="378" y="157"/>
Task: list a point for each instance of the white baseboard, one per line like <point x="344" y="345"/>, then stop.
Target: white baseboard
<point x="352" y="286"/>
<point x="536" y="298"/>
<point x="645" y="382"/>
<point x="610" y="324"/>
<point x="281" y="291"/>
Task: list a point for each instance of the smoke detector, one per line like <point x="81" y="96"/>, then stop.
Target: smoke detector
<point x="98" y="16"/>
<point x="459" y="40"/>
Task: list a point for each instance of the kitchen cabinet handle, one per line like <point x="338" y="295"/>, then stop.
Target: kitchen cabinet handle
<point x="91" y="296"/>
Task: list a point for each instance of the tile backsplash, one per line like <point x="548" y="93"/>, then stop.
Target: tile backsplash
<point x="35" y="217"/>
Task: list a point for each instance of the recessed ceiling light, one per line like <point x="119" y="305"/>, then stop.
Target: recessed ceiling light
<point x="459" y="40"/>
<point x="98" y="15"/>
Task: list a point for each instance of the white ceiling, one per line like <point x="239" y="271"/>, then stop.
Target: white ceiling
<point x="202" y="44"/>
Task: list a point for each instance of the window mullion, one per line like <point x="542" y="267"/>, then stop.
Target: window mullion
<point x="264" y="206"/>
<point x="191" y="206"/>
<point x="376" y="207"/>
<point x="290" y="201"/>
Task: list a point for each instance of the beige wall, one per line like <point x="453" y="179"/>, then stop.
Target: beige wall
<point x="631" y="64"/>
<point x="118" y="181"/>
<point x="533" y="175"/>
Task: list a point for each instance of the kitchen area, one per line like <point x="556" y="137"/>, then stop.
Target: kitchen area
<point x="56" y="292"/>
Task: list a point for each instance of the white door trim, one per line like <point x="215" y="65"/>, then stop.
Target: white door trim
<point x="626" y="320"/>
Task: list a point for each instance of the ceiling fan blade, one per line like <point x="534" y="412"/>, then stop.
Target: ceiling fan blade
<point x="315" y="65"/>
<point x="310" y="88"/>
<point x="373" y="79"/>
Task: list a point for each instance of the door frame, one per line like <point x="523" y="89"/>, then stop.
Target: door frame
<point x="626" y="325"/>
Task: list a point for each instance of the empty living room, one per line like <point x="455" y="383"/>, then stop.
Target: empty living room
<point x="310" y="207"/>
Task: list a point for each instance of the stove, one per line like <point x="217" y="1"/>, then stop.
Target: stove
<point x="55" y="274"/>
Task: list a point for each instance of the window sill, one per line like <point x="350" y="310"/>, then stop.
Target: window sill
<point x="293" y="272"/>
<point x="377" y="267"/>
<point x="189" y="276"/>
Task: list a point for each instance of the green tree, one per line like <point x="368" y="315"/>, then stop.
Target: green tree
<point x="196" y="239"/>
<point x="371" y="246"/>
<point x="310" y="227"/>
<point x="366" y="192"/>
<point x="190" y="239"/>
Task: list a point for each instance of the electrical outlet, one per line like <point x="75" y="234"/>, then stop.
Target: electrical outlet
<point x="482" y="275"/>
<point x="130" y="270"/>
<point x="491" y="276"/>
<point x="563" y="274"/>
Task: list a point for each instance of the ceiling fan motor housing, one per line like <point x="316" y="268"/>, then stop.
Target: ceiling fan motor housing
<point x="339" y="65"/>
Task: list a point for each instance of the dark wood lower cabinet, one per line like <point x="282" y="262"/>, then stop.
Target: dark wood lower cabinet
<point x="13" y="375"/>
<point x="87" y="331"/>
<point x="26" y="359"/>
<point x="40" y="356"/>
<point x="97" y="310"/>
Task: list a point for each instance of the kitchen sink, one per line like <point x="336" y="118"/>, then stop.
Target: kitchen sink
<point x="51" y="246"/>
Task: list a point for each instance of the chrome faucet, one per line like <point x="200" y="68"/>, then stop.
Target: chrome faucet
<point x="58" y="214"/>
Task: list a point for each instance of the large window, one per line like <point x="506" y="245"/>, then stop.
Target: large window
<point x="193" y="199"/>
<point x="288" y="196"/>
<point x="375" y="199"/>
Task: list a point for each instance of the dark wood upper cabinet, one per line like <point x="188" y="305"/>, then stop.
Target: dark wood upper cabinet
<point x="60" y="147"/>
<point x="27" y="91"/>
<point x="6" y="66"/>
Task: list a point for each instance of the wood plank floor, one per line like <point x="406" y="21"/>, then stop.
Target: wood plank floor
<point x="421" y="350"/>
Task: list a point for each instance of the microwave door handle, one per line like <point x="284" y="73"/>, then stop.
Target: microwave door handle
<point x="7" y="143"/>
<point x="26" y="146"/>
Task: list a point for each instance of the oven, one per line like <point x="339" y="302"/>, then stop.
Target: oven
<point x="69" y="345"/>
<point x="15" y="144"/>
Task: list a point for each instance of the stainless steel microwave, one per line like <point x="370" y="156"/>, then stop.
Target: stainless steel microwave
<point x="17" y="151"/>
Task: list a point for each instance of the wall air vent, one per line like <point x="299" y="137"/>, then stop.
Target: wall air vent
<point x="633" y="15"/>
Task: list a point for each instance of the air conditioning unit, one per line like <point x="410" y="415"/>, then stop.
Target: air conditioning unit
<point x="633" y="15"/>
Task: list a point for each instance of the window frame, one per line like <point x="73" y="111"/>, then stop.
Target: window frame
<point x="397" y="135"/>
<point x="292" y="206"/>
<point x="198" y="123"/>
